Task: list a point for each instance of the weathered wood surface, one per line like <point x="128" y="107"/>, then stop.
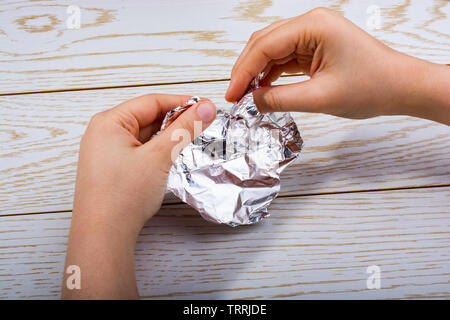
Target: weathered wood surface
<point x="141" y="42"/>
<point x="40" y="136"/>
<point x="314" y="246"/>
<point x="310" y="247"/>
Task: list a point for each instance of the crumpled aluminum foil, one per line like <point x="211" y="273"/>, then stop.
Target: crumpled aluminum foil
<point x="231" y="172"/>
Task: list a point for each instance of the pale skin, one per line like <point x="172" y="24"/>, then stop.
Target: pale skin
<point x="353" y="75"/>
<point x="122" y="171"/>
<point x="121" y="181"/>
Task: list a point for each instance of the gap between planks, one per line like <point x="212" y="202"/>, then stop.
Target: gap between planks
<point x="134" y="85"/>
<point x="202" y="81"/>
<point x="279" y="197"/>
<point x="131" y="86"/>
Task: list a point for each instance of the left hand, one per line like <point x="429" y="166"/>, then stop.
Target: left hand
<point x="121" y="179"/>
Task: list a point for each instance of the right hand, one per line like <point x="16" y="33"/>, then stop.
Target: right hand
<point x="353" y="75"/>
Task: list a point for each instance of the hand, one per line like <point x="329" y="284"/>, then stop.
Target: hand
<point x="352" y="74"/>
<point x="121" y="180"/>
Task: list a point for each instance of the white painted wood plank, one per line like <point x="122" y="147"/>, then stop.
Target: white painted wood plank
<point x="311" y="247"/>
<point x="135" y="42"/>
<point x="40" y="134"/>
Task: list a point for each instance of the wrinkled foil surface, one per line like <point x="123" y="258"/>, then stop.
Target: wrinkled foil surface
<point x="231" y="172"/>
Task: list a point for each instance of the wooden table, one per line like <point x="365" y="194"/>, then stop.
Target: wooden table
<point x="364" y="193"/>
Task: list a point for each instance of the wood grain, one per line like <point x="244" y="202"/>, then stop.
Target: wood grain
<point x="315" y="245"/>
<point x="40" y="136"/>
<point x="135" y="42"/>
<point x="311" y="247"/>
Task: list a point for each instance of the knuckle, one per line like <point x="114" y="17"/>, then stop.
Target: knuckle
<point x="97" y="118"/>
<point x="95" y="123"/>
<point x="248" y="73"/>
<point x="274" y="100"/>
<point x="276" y="24"/>
<point x="128" y="121"/>
<point x="257" y="45"/>
<point x="255" y="42"/>
<point x="320" y="11"/>
<point x="153" y="97"/>
<point x="254" y="35"/>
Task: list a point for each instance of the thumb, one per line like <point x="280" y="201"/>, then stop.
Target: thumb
<point x="306" y="96"/>
<point x="184" y="130"/>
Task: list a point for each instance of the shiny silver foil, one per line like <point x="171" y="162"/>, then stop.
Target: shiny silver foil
<point x="231" y="172"/>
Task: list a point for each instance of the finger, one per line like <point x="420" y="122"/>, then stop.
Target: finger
<point x="277" y="44"/>
<point x="277" y="70"/>
<point x="313" y="95"/>
<point x="256" y="35"/>
<point x="181" y="132"/>
<point x="146" y="109"/>
<point x="147" y="132"/>
<point x="276" y="62"/>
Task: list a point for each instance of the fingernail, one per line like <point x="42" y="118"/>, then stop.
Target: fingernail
<point x="206" y="111"/>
